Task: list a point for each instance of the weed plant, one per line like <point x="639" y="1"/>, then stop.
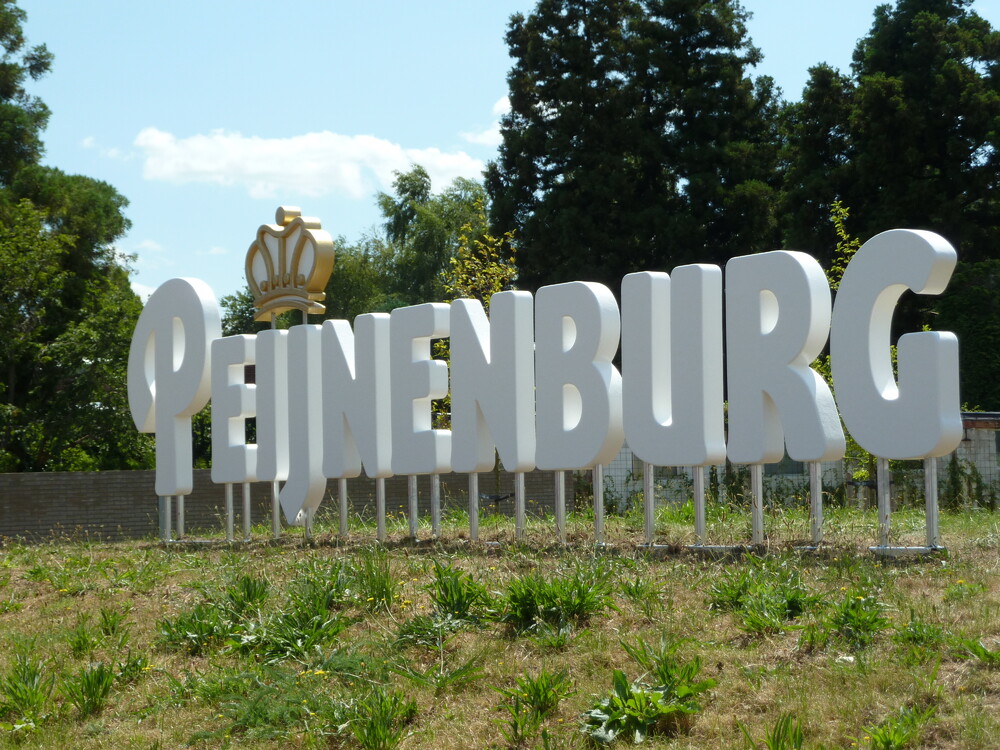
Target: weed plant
<point x="763" y="596"/>
<point x="541" y="693"/>
<point x="636" y="711"/>
<point x="25" y="691"/>
<point x="785" y="735"/>
<point x="978" y="650"/>
<point x="381" y="719"/>
<point x="898" y="732"/>
<point x="570" y="596"/>
<point x="376" y="586"/>
<point x="90" y="689"/>
<point x="455" y="593"/>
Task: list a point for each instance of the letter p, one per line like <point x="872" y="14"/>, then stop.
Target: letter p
<point x="169" y="374"/>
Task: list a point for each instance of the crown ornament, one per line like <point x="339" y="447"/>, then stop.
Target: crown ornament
<point x="289" y="264"/>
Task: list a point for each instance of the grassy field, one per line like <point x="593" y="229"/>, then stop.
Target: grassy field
<point x="448" y="644"/>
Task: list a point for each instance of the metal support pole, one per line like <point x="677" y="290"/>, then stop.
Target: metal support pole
<point x="560" y="503"/>
<point x="166" y="511"/>
<point x="519" y="516"/>
<point x="884" y="501"/>
<point x="342" y="496"/>
<point x="698" y="474"/>
<point x="648" y="502"/>
<point x="275" y="510"/>
<point x="931" y="495"/>
<point x="411" y="495"/>
<point x="435" y="506"/>
<point x="757" y="504"/>
<point x="180" y="516"/>
<point x="308" y="526"/>
<point x="598" y="504"/>
<point x="474" y="507"/>
<point x="246" y="511"/>
<point x="380" y="508"/>
<point x="229" y="511"/>
<point x="816" y="501"/>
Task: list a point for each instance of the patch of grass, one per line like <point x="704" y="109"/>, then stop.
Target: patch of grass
<point x="273" y="645"/>
<point x="540" y="693"/>
<point x="899" y="731"/>
<point x="82" y="640"/>
<point x="246" y="593"/>
<point x="570" y="596"/>
<point x="381" y="719"/>
<point x="376" y="586"/>
<point x="194" y="631"/>
<point x="454" y="593"/>
<point x="764" y="596"/>
<point x="645" y="593"/>
<point x="858" y="618"/>
<point x="977" y="650"/>
<point x="636" y="711"/>
<point x="785" y="735"/>
<point x="89" y="689"/>
<point x="25" y="691"/>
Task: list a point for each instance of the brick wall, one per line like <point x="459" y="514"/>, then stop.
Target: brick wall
<point x="122" y="504"/>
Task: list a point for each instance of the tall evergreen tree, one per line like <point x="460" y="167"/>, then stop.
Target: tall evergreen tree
<point x="635" y="140"/>
<point x="909" y="138"/>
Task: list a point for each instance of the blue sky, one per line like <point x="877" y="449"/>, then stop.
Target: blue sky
<point x="208" y="115"/>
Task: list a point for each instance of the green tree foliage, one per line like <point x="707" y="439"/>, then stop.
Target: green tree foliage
<point x="23" y="117"/>
<point x="365" y="279"/>
<point x="909" y="138"/>
<point x="422" y="232"/>
<point x="971" y="309"/>
<point x="68" y="310"/>
<point x="483" y="264"/>
<point x="636" y="139"/>
<point x="62" y="382"/>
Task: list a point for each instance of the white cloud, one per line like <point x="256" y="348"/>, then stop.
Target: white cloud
<point x="501" y="106"/>
<point x="151" y="246"/>
<point x="491" y="136"/>
<point x="110" y="153"/>
<point x="312" y="164"/>
<point x="488" y="137"/>
<point x="142" y="290"/>
<point x="150" y="255"/>
<point x="214" y="250"/>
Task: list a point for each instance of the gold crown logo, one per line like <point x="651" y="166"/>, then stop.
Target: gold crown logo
<point x="289" y="264"/>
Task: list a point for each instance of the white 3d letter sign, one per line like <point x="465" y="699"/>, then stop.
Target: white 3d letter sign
<point x="920" y="416"/>
<point x="777" y="321"/>
<point x="536" y="380"/>
<point x="169" y="374"/>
